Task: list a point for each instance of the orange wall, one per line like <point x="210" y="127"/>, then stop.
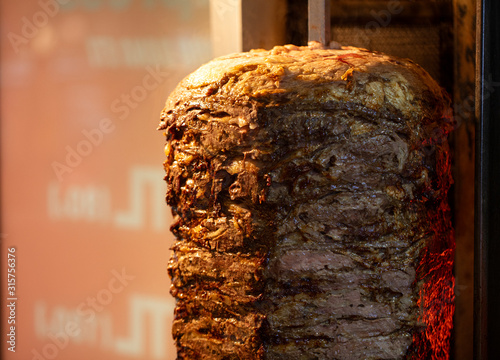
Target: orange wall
<point x="82" y="85"/>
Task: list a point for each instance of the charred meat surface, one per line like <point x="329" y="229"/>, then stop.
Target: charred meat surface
<point x="309" y="188"/>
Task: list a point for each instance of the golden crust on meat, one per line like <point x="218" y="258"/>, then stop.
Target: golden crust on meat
<point x="314" y="73"/>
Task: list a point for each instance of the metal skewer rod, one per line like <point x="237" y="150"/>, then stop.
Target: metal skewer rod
<point x="319" y="21"/>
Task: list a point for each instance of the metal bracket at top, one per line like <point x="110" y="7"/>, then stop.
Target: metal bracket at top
<point x="319" y="21"/>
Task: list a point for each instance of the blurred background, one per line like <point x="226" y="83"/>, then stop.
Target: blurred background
<point x="84" y="227"/>
<point x="83" y="84"/>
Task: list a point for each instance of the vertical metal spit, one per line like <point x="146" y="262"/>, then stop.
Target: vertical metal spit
<point x="319" y="21"/>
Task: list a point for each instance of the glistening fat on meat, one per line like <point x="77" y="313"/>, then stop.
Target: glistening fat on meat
<point x="309" y="187"/>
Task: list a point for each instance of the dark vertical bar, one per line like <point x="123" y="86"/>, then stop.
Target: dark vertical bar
<point x="319" y="21"/>
<point x="487" y="242"/>
<point x="481" y="188"/>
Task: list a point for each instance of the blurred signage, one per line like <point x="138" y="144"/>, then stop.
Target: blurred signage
<point x="83" y="211"/>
